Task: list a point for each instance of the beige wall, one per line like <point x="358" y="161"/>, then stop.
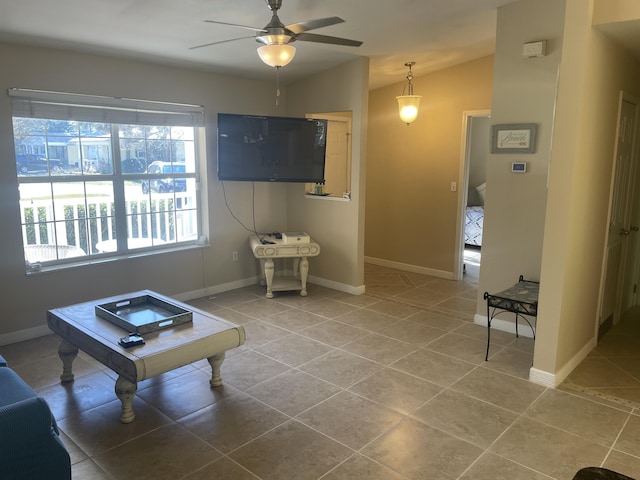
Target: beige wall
<point x="523" y="92"/>
<point x="186" y="274"/>
<point x="411" y="213"/>
<point x="593" y="72"/>
<point x="336" y="224"/>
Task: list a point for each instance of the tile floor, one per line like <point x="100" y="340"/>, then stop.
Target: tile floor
<point x="389" y="385"/>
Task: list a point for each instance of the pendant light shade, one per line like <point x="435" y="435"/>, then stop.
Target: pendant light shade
<point x="408" y="104"/>
<point x="276" y="55"/>
<point x="408" y="107"/>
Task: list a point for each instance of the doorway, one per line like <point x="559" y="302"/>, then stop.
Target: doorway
<point x="620" y="273"/>
<point x="476" y="132"/>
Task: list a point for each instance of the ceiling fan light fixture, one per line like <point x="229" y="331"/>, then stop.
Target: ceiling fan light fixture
<point x="277" y="55"/>
<point x="408" y="104"/>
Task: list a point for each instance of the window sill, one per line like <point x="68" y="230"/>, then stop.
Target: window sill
<point x="328" y="197"/>
<point x="107" y="258"/>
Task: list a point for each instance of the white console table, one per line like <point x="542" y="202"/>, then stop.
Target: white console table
<point x="299" y="252"/>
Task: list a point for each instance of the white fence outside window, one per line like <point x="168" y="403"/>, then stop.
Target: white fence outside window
<point x="52" y="232"/>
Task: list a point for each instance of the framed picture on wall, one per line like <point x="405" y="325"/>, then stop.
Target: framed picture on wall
<point x="513" y="138"/>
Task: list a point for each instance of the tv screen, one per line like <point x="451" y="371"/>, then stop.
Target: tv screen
<point x="271" y="149"/>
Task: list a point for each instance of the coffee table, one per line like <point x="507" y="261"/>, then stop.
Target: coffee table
<point x="207" y="336"/>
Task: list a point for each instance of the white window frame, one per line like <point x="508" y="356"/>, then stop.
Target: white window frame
<point x="114" y="111"/>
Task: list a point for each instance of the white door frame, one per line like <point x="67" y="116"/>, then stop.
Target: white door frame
<point x="463" y="186"/>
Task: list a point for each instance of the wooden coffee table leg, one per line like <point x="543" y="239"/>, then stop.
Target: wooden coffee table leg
<point x="125" y="391"/>
<point x="216" y="363"/>
<point x="67" y="354"/>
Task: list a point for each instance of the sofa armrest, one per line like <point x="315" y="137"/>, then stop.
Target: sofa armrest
<point x="31" y="447"/>
<point x="3" y="362"/>
<point x="24" y="420"/>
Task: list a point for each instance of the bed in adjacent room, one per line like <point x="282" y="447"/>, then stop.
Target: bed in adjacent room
<point x="473" y="226"/>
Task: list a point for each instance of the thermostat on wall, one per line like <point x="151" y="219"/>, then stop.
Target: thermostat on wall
<point x="519" y="167"/>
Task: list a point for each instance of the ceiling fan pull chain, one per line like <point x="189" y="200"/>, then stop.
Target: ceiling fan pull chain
<point x="277" y="85"/>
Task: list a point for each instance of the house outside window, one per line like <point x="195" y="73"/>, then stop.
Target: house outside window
<point x="91" y="190"/>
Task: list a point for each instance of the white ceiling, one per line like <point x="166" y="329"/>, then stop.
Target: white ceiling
<point x="434" y="33"/>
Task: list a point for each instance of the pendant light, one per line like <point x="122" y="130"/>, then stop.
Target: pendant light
<point x="408" y="104"/>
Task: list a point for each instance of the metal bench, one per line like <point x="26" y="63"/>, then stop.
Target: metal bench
<point x="521" y="299"/>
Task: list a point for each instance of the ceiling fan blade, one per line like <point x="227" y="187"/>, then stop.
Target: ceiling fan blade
<point x="312" y="37"/>
<point x="255" y="29"/>
<point x="313" y="24"/>
<point x="221" y="41"/>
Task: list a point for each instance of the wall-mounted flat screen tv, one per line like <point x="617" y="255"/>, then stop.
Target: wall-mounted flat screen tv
<point x="271" y="149"/>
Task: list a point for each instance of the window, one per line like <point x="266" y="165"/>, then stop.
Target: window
<point x="95" y="189"/>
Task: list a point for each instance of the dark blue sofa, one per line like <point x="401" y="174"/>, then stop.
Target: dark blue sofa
<point x="30" y="442"/>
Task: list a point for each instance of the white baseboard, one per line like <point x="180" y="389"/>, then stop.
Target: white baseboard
<point x="223" y="287"/>
<point x="410" y="268"/>
<point x="542" y="378"/>
<point x="26" y="334"/>
<point x="342" y="287"/>
<point x="504" y="325"/>
<point x="568" y="367"/>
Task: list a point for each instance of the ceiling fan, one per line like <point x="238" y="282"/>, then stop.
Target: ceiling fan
<point x="277" y="38"/>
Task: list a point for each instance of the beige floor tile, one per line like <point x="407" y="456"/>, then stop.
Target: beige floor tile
<point x="185" y="394"/>
<point x="232" y="298"/>
<point x="458" y="305"/>
<point x="452" y="399"/>
<point x="294" y="349"/>
<point x="328" y="308"/>
<point x="249" y="368"/>
<point x="394" y="309"/>
<point x="293" y="391"/>
<point x="260" y="308"/>
<point x="590" y="420"/>
<point x="341" y="368"/>
<point x="259" y="332"/>
<point x="630" y="365"/>
<point x="359" y="467"/>
<point x="511" y="361"/>
<point x="423" y="297"/>
<point x="473" y="420"/>
<point x="599" y="373"/>
<point x="412" y="332"/>
<point x="493" y="467"/>
<point x="334" y="333"/>
<point x="421" y="452"/>
<point x="34" y="350"/>
<point x="231" y="423"/>
<point x="99" y="429"/>
<point x="84" y="393"/>
<point x="368" y="319"/>
<point x="499" y="389"/>
<point x="46" y="372"/>
<point x="621" y="462"/>
<point x="356" y="300"/>
<point x="440" y="320"/>
<point x="350" y="419"/>
<point x="460" y="347"/>
<point x="294" y="320"/>
<point x="433" y="367"/>
<point x="146" y="456"/>
<point x="88" y="470"/>
<point x="396" y="390"/>
<point x="555" y="453"/>
<point x="291" y="451"/>
<point x="222" y="469"/>
<point x="629" y="440"/>
<point x="379" y="348"/>
<point x="234" y="316"/>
